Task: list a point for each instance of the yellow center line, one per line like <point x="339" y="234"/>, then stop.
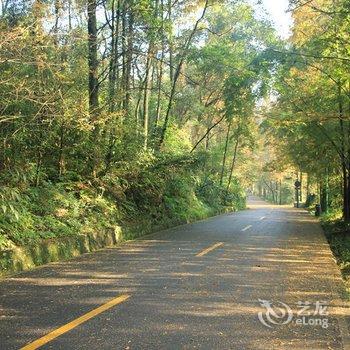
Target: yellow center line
<point x="206" y="251"/>
<point x="78" y="321"/>
<point x="247" y="228"/>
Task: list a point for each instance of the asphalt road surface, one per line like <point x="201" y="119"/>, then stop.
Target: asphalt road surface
<point x="263" y="278"/>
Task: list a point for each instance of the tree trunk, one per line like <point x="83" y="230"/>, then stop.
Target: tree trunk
<point x="57" y="16"/>
<point x="280" y="187"/>
<point x="159" y="89"/>
<point x="113" y="80"/>
<point x="170" y="43"/>
<point x="92" y="61"/>
<point x="70" y="15"/>
<point x="272" y="192"/>
<point x="61" y="162"/>
<point x="346" y="184"/>
<point x="207" y="132"/>
<point x="146" y="95"/>
<point x="177" y="74"/>
<point x="129" y="54"/>
<point x="326" y="191"/>
<point x="93" y="85"/>
<point x="124" y="15"/>
<point x="345" y="169"/>
<point x="233" y="162"/>
<point x="113" y="63"/>
<point x="225" y="153"/>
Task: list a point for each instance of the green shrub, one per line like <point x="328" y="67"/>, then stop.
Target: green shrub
<point x="156" y="192"/>
<point x="338" y="236"/>
<point x="218" y="197"/>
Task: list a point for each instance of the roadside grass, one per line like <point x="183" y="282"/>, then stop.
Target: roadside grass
<point x="66" y="211"/>
<point x="338" y="235"/>
<point x="29" y="214"/>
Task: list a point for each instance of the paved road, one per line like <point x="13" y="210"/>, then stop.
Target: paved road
<point x="192" y="287"/>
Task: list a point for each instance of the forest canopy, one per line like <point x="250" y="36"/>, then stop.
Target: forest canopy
<point x="169" y="110"/>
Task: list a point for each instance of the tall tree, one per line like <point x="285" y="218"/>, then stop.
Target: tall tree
<point x="93" y="60"/>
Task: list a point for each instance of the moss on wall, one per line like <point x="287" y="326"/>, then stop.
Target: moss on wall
<point x="51" y="250"/>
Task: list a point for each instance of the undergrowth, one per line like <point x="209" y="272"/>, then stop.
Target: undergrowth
<point x="157" y="194"/>
<point x="338" y="235"/>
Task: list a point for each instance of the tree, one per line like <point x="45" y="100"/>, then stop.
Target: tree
<point x="313" y="90"/>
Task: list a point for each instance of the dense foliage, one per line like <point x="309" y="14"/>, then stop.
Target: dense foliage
<point x="135" y="112"/>
<point x="157" y="112"/>
<point x="308" y="122"/>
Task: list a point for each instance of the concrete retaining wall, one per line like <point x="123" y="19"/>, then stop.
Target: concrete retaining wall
<point x="50" y="250"/>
